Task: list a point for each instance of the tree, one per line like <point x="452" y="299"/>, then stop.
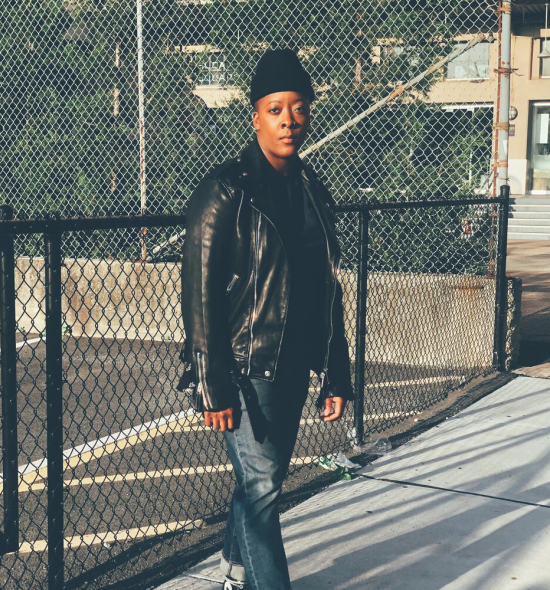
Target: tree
<point x="69" y="112"/>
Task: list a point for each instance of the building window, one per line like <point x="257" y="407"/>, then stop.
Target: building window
<point x="212" y="70"/>
<point x="474" y="121"/>
<point x="473" y="64"/>
<point x="544" y="71"/>
<point x="539" y="148"/>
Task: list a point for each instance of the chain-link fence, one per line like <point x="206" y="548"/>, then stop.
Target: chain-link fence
<point x="424" y="286"/>
<point x="107" y="472"/>
<point x="121" y="106"/>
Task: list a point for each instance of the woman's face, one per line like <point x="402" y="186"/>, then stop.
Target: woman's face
<point x="281" y="121"/>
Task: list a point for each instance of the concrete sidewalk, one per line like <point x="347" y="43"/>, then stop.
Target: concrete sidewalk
<point x="463" y="506"/>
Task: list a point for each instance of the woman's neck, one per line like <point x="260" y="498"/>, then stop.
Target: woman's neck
<point x="284" y="166"/>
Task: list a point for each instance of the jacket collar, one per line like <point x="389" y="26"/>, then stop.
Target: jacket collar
<point x="257" y="165"/>
<point x="252" y="175"/>
<point x="256" y="173"/>
<point x="254" y="182"/>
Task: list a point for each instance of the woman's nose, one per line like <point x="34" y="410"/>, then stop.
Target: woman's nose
<point x="288" y="118"/>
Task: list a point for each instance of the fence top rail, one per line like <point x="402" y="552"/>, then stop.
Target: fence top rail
<point x="376" y="205"/>
<point x="58" y="224"/>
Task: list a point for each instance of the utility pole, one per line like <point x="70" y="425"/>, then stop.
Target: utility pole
<point x="116" y="109"/>
<point x="504" y="71"/>
<point x="141" y="107"/>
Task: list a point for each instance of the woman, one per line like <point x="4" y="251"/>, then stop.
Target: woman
<point x="262" y="306"/>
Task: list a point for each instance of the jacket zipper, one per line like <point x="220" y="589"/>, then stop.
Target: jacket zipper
<point x="253" y="314"/>
<point x="335" y="271"/>
<point x="232" y="282"/>
<point x="286" y="314"/>
<point x="202" y="381"/>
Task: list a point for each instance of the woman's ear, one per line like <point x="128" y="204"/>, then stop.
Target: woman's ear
<point x="255" y="121"/>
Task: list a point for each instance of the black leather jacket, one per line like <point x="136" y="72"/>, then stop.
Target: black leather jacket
<point x="235" y="287"/>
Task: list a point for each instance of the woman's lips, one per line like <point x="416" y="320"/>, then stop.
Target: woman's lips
<point x="289" y="139"/>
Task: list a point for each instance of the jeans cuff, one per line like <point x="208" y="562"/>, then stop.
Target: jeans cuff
<point x="233" y="570"/>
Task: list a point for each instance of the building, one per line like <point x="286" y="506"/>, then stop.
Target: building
<point x="470" y="83"/>
<point x="529" y="147"/>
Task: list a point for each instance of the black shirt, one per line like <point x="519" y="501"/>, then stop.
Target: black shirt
<point x="305" y="245"/>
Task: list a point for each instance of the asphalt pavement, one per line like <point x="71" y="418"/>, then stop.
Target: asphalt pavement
<point x="139" y="464"/>
<point x="140" y="468"/>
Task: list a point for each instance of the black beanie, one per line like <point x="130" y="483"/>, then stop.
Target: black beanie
<point x="279" y="70"/>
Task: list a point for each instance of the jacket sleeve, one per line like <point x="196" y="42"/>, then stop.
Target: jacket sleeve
<point x="338" y="381"/>
<point x="339" y="370"/>
<point x="210" y="219"/>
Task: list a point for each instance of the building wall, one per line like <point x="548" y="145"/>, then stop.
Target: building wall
<point x="526" y="87"/>
<point x="468" y="91"/>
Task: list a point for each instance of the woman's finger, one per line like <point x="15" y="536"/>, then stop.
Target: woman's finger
<point x="219" y="420"/>
<point x="338" y="407"/>
<point x="335" y="413"/>
<point x="328" y="407"/>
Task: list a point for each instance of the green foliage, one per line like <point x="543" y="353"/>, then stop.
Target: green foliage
<point x="64" y="148"/>
<point x="431" y="240"/>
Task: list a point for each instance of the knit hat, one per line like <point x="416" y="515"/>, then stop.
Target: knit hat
<point x="279" y="70"/>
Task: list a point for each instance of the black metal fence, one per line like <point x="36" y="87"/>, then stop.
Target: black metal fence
<point x="106" y="470"/>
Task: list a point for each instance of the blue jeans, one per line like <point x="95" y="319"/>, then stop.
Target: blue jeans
<point x="260" y="448"/>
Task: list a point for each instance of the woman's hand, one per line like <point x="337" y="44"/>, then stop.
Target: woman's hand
<point x="219" y="420"/>
<point x="329" y="413"/>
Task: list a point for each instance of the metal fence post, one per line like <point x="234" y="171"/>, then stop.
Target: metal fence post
<point x="8" y="358"/>
<point x="501" y="286"/>
<point x="54" y="377"/>
<point x="360" y="325"/>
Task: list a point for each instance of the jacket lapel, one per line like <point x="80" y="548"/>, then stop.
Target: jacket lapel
<point x="313" y="191"/>
<point x="256" y="192"/>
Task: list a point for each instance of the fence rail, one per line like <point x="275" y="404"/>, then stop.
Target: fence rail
<point x="99" y="445"/>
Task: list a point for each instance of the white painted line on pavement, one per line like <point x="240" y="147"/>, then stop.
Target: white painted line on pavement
<point x="31" y="473"/>
<point x="112" y="536"/>
<point x="33" y="341"/>
<point x="143" y="475"/>
<point x="95" y="449"/>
